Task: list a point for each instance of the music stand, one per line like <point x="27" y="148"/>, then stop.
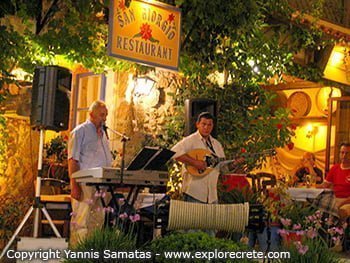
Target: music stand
<point x="148" y="158"/>
<point x="36" y="204"/>
<point x="151" y="158"/>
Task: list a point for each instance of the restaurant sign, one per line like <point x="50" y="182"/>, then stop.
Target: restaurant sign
<point x="145" y="32"/>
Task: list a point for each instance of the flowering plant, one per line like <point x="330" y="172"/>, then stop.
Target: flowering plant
<point x="120" y="216"/>
<point x="293" y="214"/>
<point x="319" y="227"/>
<point x="310" y="250"/>
<point x="281" y="208"/>
<point x="275" y="200"/>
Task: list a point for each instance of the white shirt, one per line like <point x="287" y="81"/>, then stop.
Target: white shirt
<point x="203" y="188"/>
<point x="89" y="149"/>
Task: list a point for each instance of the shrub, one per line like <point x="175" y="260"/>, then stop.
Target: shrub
<point x="101" y="240"/>
<point x="193" y="242"/>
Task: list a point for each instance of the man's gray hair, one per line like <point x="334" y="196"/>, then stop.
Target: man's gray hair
<point x="96" y="104"/>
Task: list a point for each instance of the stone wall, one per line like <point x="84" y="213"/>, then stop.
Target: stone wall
<point x="144" y="118"/>
<point x="17" y="179"/>
<point x="22" y="156"/>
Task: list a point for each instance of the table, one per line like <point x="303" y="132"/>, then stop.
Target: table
<point x="301" y="194"/>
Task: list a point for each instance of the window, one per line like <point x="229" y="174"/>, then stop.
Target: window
<point x="90" y="87"/>
<point x="341" y="131"/>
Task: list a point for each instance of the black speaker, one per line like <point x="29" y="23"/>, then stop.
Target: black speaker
<point x="50" y="98"/>
<point x="193" y="107"/>
<point x="322" y="56"/>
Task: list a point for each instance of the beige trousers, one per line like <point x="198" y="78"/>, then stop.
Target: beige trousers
<point x="87" y="214"/>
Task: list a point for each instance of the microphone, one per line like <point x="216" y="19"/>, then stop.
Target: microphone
<point x="104" y="127"/>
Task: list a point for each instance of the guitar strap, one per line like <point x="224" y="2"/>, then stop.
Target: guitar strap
<point x="210" y="145"/>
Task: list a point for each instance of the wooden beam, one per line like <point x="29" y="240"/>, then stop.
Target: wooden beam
<point x="294" y="85"/>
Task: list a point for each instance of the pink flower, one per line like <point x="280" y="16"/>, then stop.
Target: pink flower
<point x="108" y="209"/>
<point x="331" y="231"/>
<point x="296" y="227"/>
<point x="301" y="249"/>
<point x="123" y="215"/>
<point x="73" y="214"/>
<point x="300" y="233"/>
<point x="311" y="233"/>
<point x="282" y="232"/>
<point x="318" y="214"/>
<point x="339" y="230"/>
<point x="311" y="218"/>
<point x="134" y="218"/>
<point x="286" y="222"/>
<point x="336" y="239"/>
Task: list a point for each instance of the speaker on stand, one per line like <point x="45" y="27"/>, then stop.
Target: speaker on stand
<point x="50" y="98"/>
<point x="193" y="107"/>
<point x="50" y="110"/>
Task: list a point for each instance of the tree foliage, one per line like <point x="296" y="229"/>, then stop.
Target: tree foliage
<point x="248" y="42"/>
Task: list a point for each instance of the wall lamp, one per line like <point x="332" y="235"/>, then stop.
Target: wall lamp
<point x="143" y="86"/>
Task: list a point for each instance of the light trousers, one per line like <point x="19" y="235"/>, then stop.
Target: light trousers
<point x="87" y="214"/>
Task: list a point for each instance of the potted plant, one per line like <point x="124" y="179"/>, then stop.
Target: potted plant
<point x="56" y="149"/>
<point x="273" y="200"/>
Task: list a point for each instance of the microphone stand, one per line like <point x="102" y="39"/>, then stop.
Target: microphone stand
<point x="123" y="140"/>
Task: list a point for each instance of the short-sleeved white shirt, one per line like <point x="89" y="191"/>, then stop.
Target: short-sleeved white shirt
<point x="89" y="149"/>
<point x="203" y="188"/>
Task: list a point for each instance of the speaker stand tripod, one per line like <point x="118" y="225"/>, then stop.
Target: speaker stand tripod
<point x="37" y="205"/>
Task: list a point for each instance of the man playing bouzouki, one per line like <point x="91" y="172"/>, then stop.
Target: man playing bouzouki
<point x="201" y="189"/>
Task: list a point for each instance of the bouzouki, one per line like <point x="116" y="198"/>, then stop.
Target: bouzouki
<point x="212" y="160"/>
